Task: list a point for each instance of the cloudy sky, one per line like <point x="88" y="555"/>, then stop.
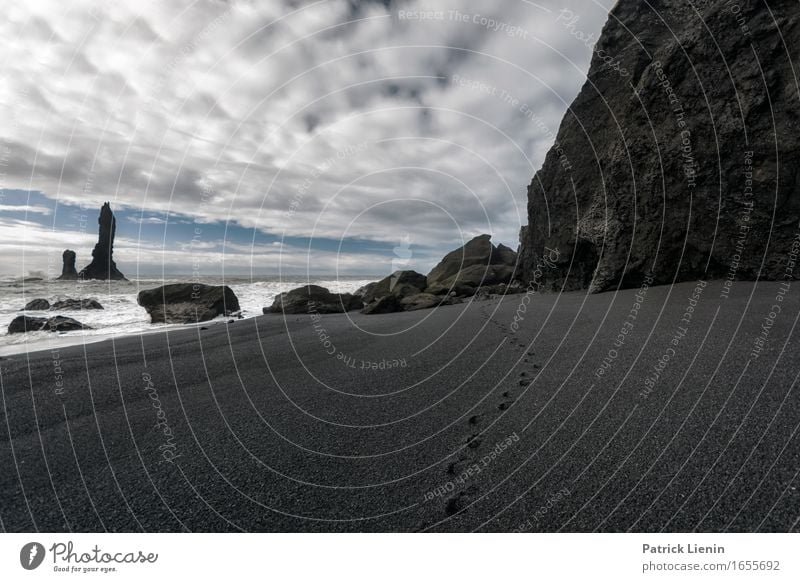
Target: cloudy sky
<point x="330" y="136"/>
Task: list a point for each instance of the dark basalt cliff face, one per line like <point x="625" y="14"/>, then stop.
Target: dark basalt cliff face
<point x="103" y="265"/>
<point x="679" y="158"/>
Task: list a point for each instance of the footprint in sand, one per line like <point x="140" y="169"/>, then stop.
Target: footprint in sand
<point x="474" y="441"/>
<point x="509" y="400"/>
<point x="460" y="500"/>
<point x="458" y="466"/>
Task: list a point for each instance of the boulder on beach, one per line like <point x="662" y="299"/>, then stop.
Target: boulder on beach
<point x="427" y="301"/>
<point x="416" y="302"/>
<point x="25" y="323"/>
<point x="458" y="289"/>
<point x="385" y="296"/>
<point x="314" y="299"/>
<point x="400" y="284"/>
<point x="504" y="255"/>
<point x="474" y="265"/>
<point x="478" y="276"/>
<point x="479" y="252"/>
<point x="68" y="272"/>
<point x="386" y="304"/>
<point x="188" y="302"/>
<point x="75" y="304"/>
<point x="365" y="290"/>
<point x="62" y="305"/>
<point x="62" y="323"/>
<point x="37" y="305"/>
<point x="461" y="273"/>
<point x="488" y="291"/>
<point x="394" y="304"/>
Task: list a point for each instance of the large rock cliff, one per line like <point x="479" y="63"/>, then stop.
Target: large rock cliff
<point x="679" y="158"/>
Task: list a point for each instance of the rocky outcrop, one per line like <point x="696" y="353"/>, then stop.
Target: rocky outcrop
<point x="385" y="296"/>
<point x="504" y="255"/>
<point x="75" y="304"/>
<point x="314" y="299"/>
<point x="461" y="273"/>
<point x="385" y="304"/>
<point x="475" y="264"/>
<point x="478" y="275"/>
<point x="37" y="305"/>
<point x="365" y="290"/>
<point x="416" y="302"/>
<point x="103" y="265"/>
<point x="62" y="305"/>
<point x="478" y="251"/>
<point x="679" y="158"/>
<point x="68" y="272"/>
<point x="427" y="301"/>
<point x="499" y="290"/>
<point x="25" y="323"/>
<point x="457" y="289"/>
<point x="188" y="302"/>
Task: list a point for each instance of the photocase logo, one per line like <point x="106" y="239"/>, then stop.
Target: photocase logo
<point x="31" y="555"/>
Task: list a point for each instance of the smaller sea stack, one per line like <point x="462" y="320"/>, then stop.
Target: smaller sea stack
<point x="68" y="272"/>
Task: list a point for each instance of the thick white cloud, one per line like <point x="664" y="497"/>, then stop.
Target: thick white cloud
<point x="27" y="208"/>
<point x="332" y="118"/>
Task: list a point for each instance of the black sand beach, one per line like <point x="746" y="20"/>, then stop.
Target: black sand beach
<point x="422" y="421"/>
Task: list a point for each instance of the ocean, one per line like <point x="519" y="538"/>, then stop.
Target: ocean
<point x="121" y="315"/>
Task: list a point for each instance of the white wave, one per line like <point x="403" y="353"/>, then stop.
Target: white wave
<point x="121" y="315"/>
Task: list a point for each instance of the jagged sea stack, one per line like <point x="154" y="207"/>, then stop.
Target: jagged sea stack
<point x="102" y="265"/>
<point x="680" y="157"/>
<point x="68" y="272"/>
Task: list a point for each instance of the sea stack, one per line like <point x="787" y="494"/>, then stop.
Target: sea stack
<point x="102" y="265"/>
<point x="68" y="272"/>
<point x="678" y="159"/>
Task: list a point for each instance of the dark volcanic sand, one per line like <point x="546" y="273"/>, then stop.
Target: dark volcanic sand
<point x="275" y="434"/>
